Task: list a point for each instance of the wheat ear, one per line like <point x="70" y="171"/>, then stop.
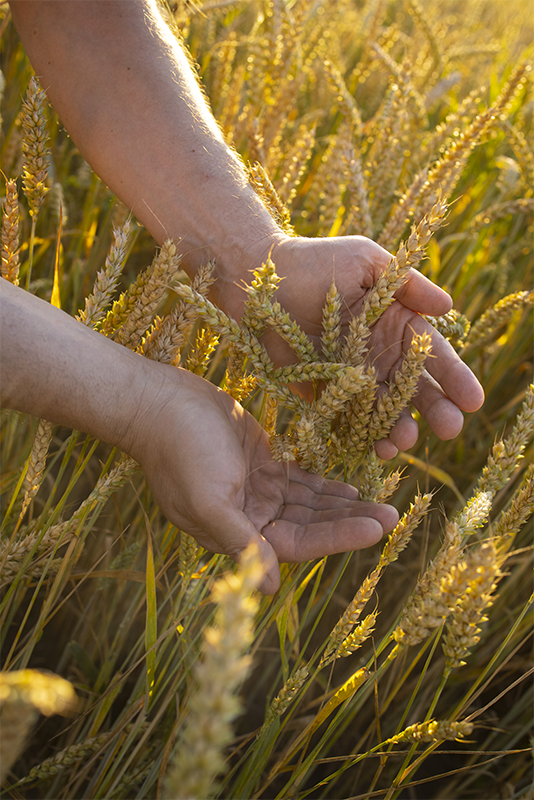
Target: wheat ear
<point x="10" y="234"/>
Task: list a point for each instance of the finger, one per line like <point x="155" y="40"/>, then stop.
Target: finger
<point x="443" y="416"/>
<point x="449" y="371"/>
<point x="304" y="515"/>
<point x="385" y="449"/>
<point x="231" y="532"/>
<point x="300" y="494"/>
<point x="321" y="486"/>
<point x="296" y="543"/>
<point x="402" y="436"/>
<point x="419" y="294"/>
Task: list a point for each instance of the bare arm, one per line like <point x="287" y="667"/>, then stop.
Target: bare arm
<point x="124" y="90"/>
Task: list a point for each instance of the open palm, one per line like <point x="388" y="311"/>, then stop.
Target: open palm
<point x="221" y="485"/>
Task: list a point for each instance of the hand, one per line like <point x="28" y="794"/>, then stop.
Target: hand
<point x="308" y="266"/>
<point x="210" y="468"/>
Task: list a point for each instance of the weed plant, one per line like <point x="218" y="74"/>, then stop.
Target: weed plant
<point x="401" y="671"/>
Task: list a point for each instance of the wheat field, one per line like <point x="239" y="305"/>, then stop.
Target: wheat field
<point x="134" y="663"/>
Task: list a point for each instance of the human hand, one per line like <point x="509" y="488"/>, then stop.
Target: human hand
<point x="447" y="386"/>
<point x="210" y="468"/>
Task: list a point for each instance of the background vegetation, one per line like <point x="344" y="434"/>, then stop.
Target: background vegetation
<point x="359" y="113"/>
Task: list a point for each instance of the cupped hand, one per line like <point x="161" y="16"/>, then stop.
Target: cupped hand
<point x="210" y="468"/>
<point x="448" y="386"/>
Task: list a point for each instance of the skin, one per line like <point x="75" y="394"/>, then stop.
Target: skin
<point x="126" y="94"/>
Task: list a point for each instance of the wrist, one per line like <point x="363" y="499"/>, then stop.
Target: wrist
<point x="240" y="254"/>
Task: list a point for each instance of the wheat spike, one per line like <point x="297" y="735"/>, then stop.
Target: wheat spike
<point x="358" y="637"/>
<point x="10" y="234"/>
<point x="389" y="486"/>
<point x="285" y="696"/>
<point x="23" y="694"/>
<point x="485" y="328"/>
<point x="198" y="756"/>
<point x="295" y="163"/>
<point x="522" y="151"/>
<point x="370" y="478"/>
<point x="390" y="404"/>
<point x="34" y="147"/>
<point x="523" y="205"/>
<point x="166" y="337"/>
<point x="445" y="173"/>
<point x="507" y="453"/>
<point x="453" y="326"/>
<point x="263" y="186"/>
<point x="37" y="461"/>
<point x="397" y="542"/>
<point x="358" y="219"/>
<point x="421" y="17"/>
<point x="452" y="124"/>
<point x="344" y="99"/>
<point x="107" y="278"/>
<point x="513" y="518"/>
<point x="436" y="593"/>
<point x="205" y="344"/>
<point x="228" y="116"/>
<point x="137" y="311"/>
<point x="71" y="755"/>
<point x="13" y="554"/>
<point x="433" y="731"/>
<point x="482" y="572"/>
<point x="224" y="56"/>
<point x="407" y="256"/>
<point x="331" y="324"/>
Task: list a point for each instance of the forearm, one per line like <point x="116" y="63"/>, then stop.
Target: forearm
<point x="124" y="90"/>
<point x="53" y="367"/>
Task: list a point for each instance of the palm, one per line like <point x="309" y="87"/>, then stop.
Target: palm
<point x="223" y="487"/>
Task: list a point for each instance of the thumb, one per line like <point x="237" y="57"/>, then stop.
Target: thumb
<point x="234" y="532"/>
